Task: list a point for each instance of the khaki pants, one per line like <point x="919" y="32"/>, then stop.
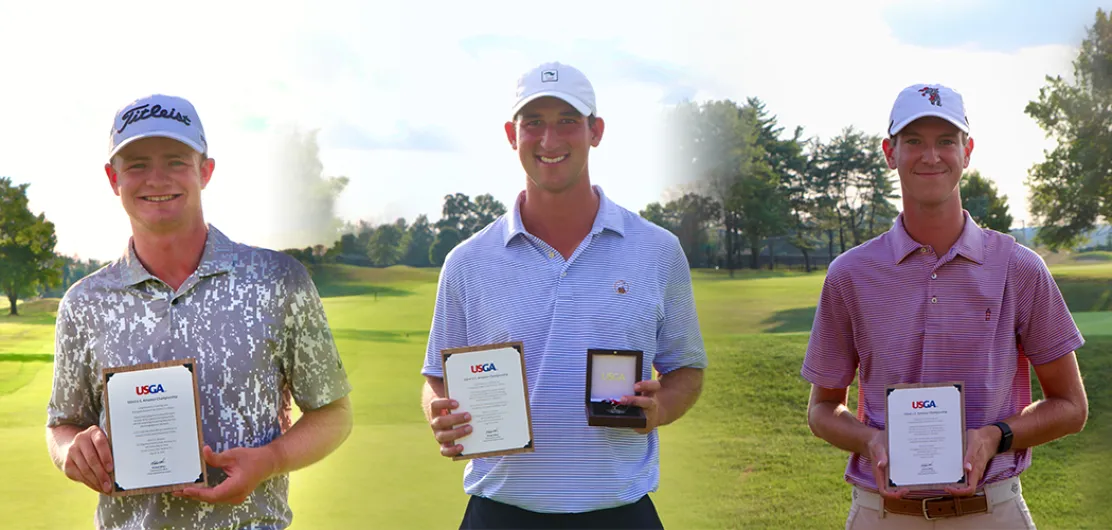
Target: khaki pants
<point x="1006" y="511"/>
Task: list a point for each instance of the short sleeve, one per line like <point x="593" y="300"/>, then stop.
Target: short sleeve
<point x="678" y="337"/>
<point x="831" y="358"/>
<point x="73" y="398"/>
<point x="1044" y="324"/>
<point x="449" y="322"/>
<point x="314" y="369"/>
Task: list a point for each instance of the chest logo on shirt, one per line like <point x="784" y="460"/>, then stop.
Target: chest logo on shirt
<point x="621" y="287"/>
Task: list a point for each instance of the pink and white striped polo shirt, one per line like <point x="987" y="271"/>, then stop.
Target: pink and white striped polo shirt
<point x="894" y="311"/>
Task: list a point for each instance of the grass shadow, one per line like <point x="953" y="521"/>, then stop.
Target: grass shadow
<point x="375" y="335"/>
<point x="1084" y="295"/>
<point x="35" y="319"/>
<point x="337" y="289"/>
<point x="27" y="357"/>
<point x="790" y="320"/>
<point x="35" y="312"/>
<point x="750" y="274"/>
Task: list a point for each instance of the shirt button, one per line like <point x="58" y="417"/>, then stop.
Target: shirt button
<point x="174" y="302"/>
<point x="923" y="250"/>
<point x="551" y="255"/>
<point x="934" y="299"/>
<point x="934" y="276"/>
<point x="562" y="274"/>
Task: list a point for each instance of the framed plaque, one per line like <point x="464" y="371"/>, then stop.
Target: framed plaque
<point x="925" y="426"/>
<point x="153" y="416"/>
<point x="611" y="374"/>
<point x="489" y="382"/>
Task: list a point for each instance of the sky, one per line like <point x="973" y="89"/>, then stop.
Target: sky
<point x="410" y="100"/>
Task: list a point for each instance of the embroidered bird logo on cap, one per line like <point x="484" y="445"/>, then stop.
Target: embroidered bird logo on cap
<point x="935" y="97"/>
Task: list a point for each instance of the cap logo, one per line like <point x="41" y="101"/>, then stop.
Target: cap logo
<point x="142" y="112"/>
<point x="935" y="97"/>
<point x="549" y="76"/>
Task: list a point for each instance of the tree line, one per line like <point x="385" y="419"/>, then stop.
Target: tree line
<point x="758" y="189"/>
<point x="420" y="244"/>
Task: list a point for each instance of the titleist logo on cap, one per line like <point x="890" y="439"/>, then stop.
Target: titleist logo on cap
<point x="145" y="112"/>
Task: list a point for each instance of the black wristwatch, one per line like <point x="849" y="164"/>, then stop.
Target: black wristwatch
<point x="1005" y="437"/>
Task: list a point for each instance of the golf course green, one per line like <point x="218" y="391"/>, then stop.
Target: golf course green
<point x="742" y="458"/>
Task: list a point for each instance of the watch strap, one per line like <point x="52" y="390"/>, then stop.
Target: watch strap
<point x="1005" y="437"/>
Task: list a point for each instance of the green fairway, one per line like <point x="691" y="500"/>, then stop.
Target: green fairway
<point x="742" y="458"/>
<point x="1094" y="256"/>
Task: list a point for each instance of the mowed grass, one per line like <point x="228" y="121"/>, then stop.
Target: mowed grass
<point x="31" y="333"/>
<point x="742" y="458"/>
<point x="1094" y="256"/>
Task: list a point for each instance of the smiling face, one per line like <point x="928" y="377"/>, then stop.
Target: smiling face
<point x="159" y="182"/>
<point x="930" y="155"/>
<point x="553" y="141"/>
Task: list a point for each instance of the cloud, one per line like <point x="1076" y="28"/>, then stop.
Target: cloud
<point x="405" y="137"/>
<point x="992" y="25"/>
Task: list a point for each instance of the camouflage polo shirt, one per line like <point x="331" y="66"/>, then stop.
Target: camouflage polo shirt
<point x="253" y="320"/>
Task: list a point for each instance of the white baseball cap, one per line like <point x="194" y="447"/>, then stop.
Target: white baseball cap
<point x="921" y="100"/>
<point x="556" y="80"/>
<point x="157" y="115"/>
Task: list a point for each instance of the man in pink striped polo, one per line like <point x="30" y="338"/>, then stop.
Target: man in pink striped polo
<point x="934" y="299"/>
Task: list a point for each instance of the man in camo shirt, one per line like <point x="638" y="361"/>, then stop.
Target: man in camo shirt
<point x="251" y="317"/>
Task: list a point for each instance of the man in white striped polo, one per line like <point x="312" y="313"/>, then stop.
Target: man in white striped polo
<point x="565" y="271"/>
<point x="938" y="299"/>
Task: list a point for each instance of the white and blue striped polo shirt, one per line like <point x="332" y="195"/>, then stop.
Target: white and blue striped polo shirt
<point x="504" y="284"/>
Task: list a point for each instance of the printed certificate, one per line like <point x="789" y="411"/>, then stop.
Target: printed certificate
<point x="926" y="435"/>
<point x="154" y="427"/>
<point x="489" y="382"/>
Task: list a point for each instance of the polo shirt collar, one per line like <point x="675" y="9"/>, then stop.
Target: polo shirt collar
<point x="218" y="257"/>
<point x="609" y="217"/>
<point x="970" y="244"/>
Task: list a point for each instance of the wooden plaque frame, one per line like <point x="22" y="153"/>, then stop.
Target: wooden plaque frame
<point x="888" y="444"/>
<point x="636" y="417"/>
<point x="520" y="347"/>
<point x="202" y="480"/>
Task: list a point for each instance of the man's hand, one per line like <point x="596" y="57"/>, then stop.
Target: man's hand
<point x="647" y="401"/>
<point x="246" y="467"/>
<point x="878" y="455"/>
<point x="980" y="447"/>
<point x="444" y="425"/>
<point x="89" y="460"/>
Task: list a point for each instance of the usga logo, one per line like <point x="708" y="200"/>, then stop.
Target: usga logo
<point x="148" y="389"/>
<point x="922" y="404"/>
<point x="480" y="368"/>
<point x="614" y="376"/>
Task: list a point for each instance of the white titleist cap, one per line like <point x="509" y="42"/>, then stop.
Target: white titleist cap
<point x="918" y="101"/>
<point x="559" y="81"/>
<point x="157" y="115"/>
